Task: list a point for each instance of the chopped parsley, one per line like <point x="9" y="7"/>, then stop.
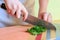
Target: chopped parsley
<point x="36" y="30"/>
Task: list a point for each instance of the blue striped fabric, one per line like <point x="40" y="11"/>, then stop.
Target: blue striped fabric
<point x="48" y="35"/>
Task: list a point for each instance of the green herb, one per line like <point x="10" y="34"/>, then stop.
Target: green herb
<point x="36" y="30"/>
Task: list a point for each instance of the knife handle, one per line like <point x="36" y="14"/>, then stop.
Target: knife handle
<point x="3" y="6"/>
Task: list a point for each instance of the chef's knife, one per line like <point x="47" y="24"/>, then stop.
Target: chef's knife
<point x="35" y="21"/>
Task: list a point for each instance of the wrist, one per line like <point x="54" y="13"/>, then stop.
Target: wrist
<point x="41" y="10"/>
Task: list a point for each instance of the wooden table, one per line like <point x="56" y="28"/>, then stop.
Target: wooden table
<point x="15" y="32"/>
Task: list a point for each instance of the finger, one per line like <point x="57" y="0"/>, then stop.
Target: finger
<point x="40" y="16"/>
<point x="45" y="16"/>
<point x="49" y="18"/>
<point x="9" y="9"/>
<point x="13" y="11"/>
<point x="14" y="8"/>
<point x="25" y="13"/>
<point x="18" y="13"/>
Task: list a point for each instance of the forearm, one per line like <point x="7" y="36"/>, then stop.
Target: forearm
<point x="43" y="5"/>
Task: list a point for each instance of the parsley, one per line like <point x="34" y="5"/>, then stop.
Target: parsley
<point x="36" y="30"/>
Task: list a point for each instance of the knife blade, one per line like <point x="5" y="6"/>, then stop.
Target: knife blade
<point x="35" y="21"/>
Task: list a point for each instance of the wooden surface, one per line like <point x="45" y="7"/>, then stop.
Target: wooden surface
<point x="52" y="35"/>
<point x="52" y="32"/>
<point x="15" y="32"/>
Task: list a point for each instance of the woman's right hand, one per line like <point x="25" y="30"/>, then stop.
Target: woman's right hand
<point x="16" y="8"/>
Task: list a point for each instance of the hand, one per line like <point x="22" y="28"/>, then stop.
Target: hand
<point x="45" y="16"/>
<point x="16" y="8"/>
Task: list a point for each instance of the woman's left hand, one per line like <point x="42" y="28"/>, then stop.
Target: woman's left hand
<point x="45" y="16"/>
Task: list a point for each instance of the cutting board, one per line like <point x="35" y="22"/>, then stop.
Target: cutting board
<point x="15" y="33"/>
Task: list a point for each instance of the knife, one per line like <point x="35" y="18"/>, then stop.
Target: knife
<point x="35" y="21"/>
